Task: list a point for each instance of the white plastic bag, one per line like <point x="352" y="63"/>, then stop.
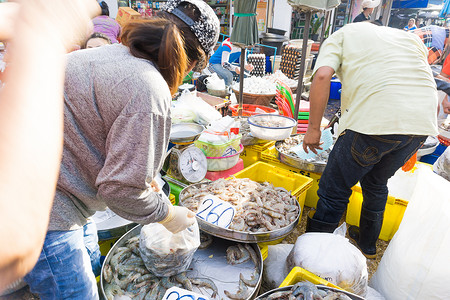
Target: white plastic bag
<point x="442" y="165"/>
<point x="182" y="113"/>
<point x="415" y="264"/>
<point x="220" y="131"/>
<point x="213" y="82"/>
<point x="204" y="112"/>
<point x="275" y="265"/>
<point x="167" y="254"/>
<point x="332" y="257"/>
<point x="372" y="294"/>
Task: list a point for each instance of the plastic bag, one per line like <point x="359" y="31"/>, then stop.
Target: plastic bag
<point x="204" y="113"/>
<point x="182" y="113"/>
<point x="442" y="165"/>
<point x="372" y="294"/>
<point x="213" y="82"/>
<point x="275" y="265"/>
<point x="415" y="264"/>
<point x="332" y="257"/>
<point x="167" y="254"/>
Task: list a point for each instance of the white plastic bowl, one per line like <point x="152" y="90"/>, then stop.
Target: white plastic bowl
<point x="223" y="163"/>
<point x="281" y="129"/>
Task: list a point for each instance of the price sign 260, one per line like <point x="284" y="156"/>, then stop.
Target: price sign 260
<point x="216" y="211"/>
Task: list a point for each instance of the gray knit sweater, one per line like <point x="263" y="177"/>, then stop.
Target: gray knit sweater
<point x="116" y="131"/>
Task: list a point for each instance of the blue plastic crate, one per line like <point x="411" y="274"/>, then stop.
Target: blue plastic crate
<point x="429" y="159"/>
<point x="440" y="149"/>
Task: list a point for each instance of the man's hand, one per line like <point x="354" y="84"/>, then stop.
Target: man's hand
<point x="312" y="140"/>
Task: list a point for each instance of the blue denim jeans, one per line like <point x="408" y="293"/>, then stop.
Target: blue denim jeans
<point x="369" y="159"/>
<point x="66" y="266"/>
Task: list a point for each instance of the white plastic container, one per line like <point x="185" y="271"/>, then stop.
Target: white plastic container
<point x="271" y="127"/>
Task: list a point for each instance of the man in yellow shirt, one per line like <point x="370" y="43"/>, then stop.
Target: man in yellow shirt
<point x="388" y="105"/>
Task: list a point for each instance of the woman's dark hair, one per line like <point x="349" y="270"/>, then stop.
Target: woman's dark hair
<point x="105" y="8"/>
<point x="96" y="35"/>
<point x="168" y="42"/>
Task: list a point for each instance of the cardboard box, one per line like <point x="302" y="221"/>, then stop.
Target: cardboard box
<point x="125" y="14"/>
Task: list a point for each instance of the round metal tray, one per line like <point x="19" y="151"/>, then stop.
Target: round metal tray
<point x="211" y="263"/>
<point x="241" y="236"/>
<point x="315" y="167"/>
<point x="320" y="287"/>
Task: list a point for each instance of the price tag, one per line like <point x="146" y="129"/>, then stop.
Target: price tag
<point x="216" y="211"/>
<point x="175" y="293"/>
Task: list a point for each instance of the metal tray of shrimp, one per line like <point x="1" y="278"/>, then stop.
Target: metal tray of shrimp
<point x="220" y="269"/>
<point x="280" y="293"/>
<point x="296" y="162"/>
<point x="241" y="236"/>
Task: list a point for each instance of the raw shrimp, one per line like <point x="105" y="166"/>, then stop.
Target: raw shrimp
<point x="253" y="281"/>
<point x="241" y="294"/>
<point x="207" y="283"/>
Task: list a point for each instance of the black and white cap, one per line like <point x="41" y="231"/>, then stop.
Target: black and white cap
<point x="206" y="28"/>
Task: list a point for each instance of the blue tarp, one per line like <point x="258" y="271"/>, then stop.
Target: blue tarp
<point x="410" y="4"/>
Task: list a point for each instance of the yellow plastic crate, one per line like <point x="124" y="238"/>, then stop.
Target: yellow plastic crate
<point x="264" y="250"/>
<point x="106" y="245"/>
<point x="299" y="274"/>
<point x="269" y="155"/>
<point x="393" y="213"/>
<point x="296" y="183"/>
<point x="252" y="154"/>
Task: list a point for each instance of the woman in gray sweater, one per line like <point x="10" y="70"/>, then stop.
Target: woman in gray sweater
<point x="116" y="129"/>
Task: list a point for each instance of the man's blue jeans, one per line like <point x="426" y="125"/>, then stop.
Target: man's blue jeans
<point x="369" y="159"/>
<point x="66" y="266"/>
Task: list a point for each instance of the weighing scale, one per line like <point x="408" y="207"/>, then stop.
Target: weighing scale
<point x="185" y="162"/>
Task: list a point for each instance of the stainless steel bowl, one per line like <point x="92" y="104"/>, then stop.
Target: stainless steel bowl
<point x="315" y="167"/>
<point x="320" y="287"/>
<point x="185" y="132"/>
<point x="206" y="263"/>
<point x="241" y="236"/>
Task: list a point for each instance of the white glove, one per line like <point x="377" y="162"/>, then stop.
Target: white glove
<point x="178" y="219"/>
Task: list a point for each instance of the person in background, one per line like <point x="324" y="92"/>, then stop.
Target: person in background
<point x="379" y="21"/>
<point x="411" y="25"/>
<point x="385" y="119"/>
<point x="31" y="119"/>
<point x="435" y="39"/>
<point x="96" y="39"/>
<point x="107" y="25"/>
<point x="367" y="7"/>
<point x="117" y="123"/>
<point x="224" y="59"/>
